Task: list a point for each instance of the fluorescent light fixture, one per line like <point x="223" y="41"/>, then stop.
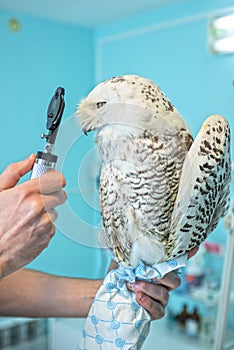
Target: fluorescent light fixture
<point x="221" y="34"/>
<point x="225" y="45"/>
<point x="224" y="23"/>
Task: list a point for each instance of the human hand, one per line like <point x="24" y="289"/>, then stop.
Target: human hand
<point x="154" y="297"/>
<point x="27" y="214"/>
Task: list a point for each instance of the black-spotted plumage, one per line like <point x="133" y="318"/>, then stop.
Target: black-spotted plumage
<point x="160" y="192"/>
<point x="203" y="196"/>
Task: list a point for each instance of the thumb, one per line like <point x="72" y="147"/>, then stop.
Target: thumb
<point x="12" y="174"/>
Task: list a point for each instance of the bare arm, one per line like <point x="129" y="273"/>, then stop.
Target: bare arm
<point x="29" y="293"/>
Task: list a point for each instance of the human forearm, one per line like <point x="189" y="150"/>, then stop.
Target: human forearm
<point x="34" y="294"/>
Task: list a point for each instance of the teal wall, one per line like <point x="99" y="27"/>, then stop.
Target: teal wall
<point x="33" y="62"/>
<point x="168" y="45"/>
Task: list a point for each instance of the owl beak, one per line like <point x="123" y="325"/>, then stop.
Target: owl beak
<point x="86" y="131"/>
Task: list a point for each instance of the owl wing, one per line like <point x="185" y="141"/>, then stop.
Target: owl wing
<point x="204" y="189"/>
<point x="113" y="201"/>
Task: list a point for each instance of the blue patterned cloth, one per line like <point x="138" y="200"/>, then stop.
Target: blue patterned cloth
<point x="116" y="320"/>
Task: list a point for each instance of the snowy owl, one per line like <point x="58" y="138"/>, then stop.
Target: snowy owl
<point x="161" y="192"/>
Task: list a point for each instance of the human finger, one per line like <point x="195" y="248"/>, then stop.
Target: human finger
<point x="12" y="174"/>
<point x="154" y="307"/>
<point x="50" y="182"/>
<point x="155" y="291"/>
<point x="45" y="227"/>
<point x="55" y="199"/>
<point x="171" y="280"/>
<point x="53" y="214"/>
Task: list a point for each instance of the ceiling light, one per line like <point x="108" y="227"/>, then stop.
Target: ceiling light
<point x="221" y="34"/>
<point x="224" y="23"/>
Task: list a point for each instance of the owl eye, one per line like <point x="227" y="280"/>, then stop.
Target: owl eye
<point x="100" y="104"/>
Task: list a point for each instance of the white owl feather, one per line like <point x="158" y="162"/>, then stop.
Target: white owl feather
<point x="154" y="189"/>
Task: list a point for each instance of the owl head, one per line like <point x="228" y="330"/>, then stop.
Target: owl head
<point x="131" y="101"/>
